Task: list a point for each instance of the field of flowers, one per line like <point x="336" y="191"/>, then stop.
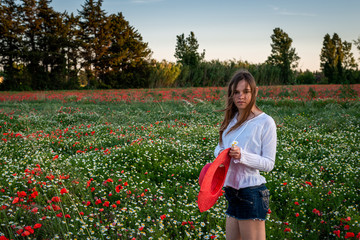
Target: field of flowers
<point x="300" y="92"/>
<point x="89" y="166"/>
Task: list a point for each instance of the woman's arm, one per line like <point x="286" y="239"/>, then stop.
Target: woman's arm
<point x="266" y="160"/>
<point x="219" y="148"/>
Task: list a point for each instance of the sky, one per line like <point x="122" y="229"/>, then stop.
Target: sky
<point x="236" y="29"/>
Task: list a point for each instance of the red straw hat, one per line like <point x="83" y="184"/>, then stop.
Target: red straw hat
<point x="202" y="173"/>
<point x="212" y="182"/>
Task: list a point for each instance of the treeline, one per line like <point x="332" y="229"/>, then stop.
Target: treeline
<point x="42" y="49"/>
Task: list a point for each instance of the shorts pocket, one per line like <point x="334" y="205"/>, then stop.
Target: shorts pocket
<point x="265" y="198"/>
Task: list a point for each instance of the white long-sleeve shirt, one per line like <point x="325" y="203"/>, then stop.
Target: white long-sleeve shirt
<point x="257" y="142"/>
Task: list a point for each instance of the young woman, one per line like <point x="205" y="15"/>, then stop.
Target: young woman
<point x="251" y="135"/>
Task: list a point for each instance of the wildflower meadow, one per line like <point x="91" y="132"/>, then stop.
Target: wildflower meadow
<point x="125" y="164"/>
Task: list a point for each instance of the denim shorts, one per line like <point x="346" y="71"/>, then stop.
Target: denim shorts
<point x="248" y="203"/>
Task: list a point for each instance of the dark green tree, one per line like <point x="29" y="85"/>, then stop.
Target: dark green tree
<point x="71" y="50"/>
<point x="283" y="55"/>
<point x="339" y="57"/>
<point x="11" y="31"/>
<point x="328" y="58"/>
<point x="32" y="53"/>
<point x="349" y="62"/>
<point x="186" y="50"/>
<point x="95" y="38"/>
<point x="52" y="43"/>
<point x="124" y="62"/>
<point x="336" y="59"/>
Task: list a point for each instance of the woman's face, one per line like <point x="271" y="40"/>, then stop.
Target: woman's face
<point x="242" y="95"/>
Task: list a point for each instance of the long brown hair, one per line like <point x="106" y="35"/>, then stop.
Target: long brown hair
<point x="231" y="109"/>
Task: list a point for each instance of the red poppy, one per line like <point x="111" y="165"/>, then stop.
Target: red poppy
<point x="297" y="214"/>
<point x="37" y="225"/>
<point x="26" y="233"/>
<point x="287" y="230"/>
<point x="163" y="217"/>
<point x="29" y="229"/>
<point x="35" y="210"/>
<point x="118" y="188"/>
<point x="349" y="235"/>
<point x="337" y="233"/>
<point x="141" y="228"/>
<point x="317" y="212"/>
<point x="59" y="214"/>
<point x="309" y="183"/>
<point x="67" y="216"/>
<point x="50" y="177"/>
<point x="21" y="194"/>
<point x="34" y="194"/>
<point x="56" y="199"/>
<point x="16" y="200"/>
<point x="56" y="207"/>
<point x="64" y="190"/>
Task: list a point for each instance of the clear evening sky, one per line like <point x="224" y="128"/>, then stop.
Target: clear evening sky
<point x="236" y="30"/>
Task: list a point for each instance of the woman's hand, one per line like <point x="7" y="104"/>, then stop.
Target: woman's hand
<point x="235" y="152"/>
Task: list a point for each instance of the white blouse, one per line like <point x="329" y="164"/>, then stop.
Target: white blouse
<point x="256" y="139"/>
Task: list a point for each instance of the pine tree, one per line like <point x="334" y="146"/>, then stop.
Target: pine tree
<point x="11" y="31"/>
<point x="32" y="53"/>
<point x="126" y="55"/>
<point x="71" y="51"/>
<point x="94" y="36"/>
<point x="52" y="44"/>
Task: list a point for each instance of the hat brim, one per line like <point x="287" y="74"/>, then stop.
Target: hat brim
<point x="213" y="181"/>
<point x="203" y="172"/>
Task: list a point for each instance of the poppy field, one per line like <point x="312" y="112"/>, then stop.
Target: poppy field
<point x="125" y="164"/>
